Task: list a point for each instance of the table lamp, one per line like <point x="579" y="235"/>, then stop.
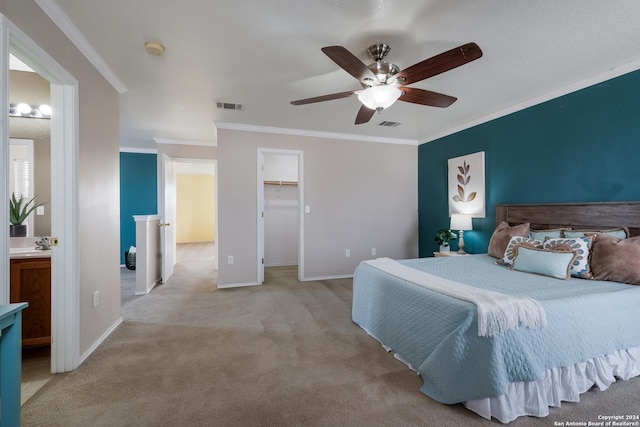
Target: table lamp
<point x="461" y="222"/>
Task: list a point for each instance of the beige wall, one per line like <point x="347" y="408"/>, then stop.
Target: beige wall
<point x="362" y="195"/>
<point x="195" y="208"/>
<point x="98" y="177"/>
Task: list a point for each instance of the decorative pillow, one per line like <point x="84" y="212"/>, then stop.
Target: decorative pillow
<point x="620" y="232"/>
<point x="512" y="248"/>
<point x="541" y="261"/>
<point x="501" y="236"/>
<point x="581" y="246"/>
<point x="616" y="259"/>
<point x="552" y="233"/>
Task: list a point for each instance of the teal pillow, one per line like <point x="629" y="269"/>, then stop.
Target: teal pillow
<point x="512" y="248"/>
<point x="620" y="233"/>
<point x="547" y="263"/>
<point x="546" y="234"/>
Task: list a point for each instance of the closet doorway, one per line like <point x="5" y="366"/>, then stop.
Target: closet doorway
<point x="280" y="210"/>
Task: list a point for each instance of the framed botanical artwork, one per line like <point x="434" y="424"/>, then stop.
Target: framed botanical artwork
<point x="466" y="193"/>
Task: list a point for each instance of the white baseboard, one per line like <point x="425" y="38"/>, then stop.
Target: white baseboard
<point x="315" y="279"/>
<point x="100" y="340"/>
<point x="237" y="285"/>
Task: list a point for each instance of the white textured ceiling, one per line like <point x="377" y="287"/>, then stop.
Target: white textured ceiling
<point x="265" y="54"/>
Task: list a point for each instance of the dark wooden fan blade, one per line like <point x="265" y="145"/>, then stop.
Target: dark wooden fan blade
<point x="350" y="63"/>
<point x="439" y="64"/>
<point x="364" y="115"/>
<point x="426" y="97"/>
<point x="323" y="98"/>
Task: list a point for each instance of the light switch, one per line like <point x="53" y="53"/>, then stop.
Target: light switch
<point x="307" y="209"/>
<point x="40" y="210"/>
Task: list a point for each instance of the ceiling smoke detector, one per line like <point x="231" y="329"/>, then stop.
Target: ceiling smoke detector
<point x="154" y="48"/>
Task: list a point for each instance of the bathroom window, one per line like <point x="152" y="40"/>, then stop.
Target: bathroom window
<point x="21" y="179"/>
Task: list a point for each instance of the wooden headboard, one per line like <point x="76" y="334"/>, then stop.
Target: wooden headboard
<point x="575" y="215"/>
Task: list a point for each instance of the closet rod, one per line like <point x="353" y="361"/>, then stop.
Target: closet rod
<point x="280" y="183"/>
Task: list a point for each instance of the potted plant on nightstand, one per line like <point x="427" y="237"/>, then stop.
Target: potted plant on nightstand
<point x="443" y="237"/>
<point x="19" y="210"/>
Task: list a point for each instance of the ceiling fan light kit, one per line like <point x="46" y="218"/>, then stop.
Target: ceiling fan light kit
<point x="384" y="83"/>
<point x="379" y="97"/>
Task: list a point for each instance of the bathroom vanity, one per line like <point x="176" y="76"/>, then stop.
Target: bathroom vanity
<point x="31" y="283"/>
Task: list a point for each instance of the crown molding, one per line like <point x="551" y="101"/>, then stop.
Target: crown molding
<point x="183" y="142"/>
<point x="138" y="150"/>
<point x="312" y="133"/>
<point x="57" y="15"/>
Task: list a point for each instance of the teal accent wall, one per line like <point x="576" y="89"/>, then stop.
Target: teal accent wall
<point x="138" y="194"/>
<point x="581" y="147"/>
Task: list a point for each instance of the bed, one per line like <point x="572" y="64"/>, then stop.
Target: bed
<point x="520" y="370"/>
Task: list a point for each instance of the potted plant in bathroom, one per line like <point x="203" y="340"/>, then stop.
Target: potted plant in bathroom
<point x="443" y="237"/>
<point x="19" y="210"/>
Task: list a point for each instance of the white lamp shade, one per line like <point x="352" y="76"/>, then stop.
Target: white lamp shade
<point x="382" y="96"/>
<point x="461" y="222"/>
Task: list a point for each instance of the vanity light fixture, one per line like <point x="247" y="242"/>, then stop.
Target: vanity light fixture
<point x="28" y="111"/>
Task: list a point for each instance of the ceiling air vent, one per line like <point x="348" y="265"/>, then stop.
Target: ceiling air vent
<point x="389" y="124"/>
<point x="229" y="106"/>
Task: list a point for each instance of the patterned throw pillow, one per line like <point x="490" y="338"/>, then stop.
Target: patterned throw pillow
<point x="512" y="248"/>
<point x="581" y="246"/>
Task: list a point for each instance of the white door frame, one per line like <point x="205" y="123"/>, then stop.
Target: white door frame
<point x="65" y="273"/>
<point x="260" y="208"/>
<point x="163" y="183"/>
<point x="167" y="211"/>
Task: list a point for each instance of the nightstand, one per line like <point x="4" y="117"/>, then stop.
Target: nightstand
<point x="443" y="254"/>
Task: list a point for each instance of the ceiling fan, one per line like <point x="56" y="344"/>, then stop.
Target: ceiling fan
<point x="384" y="83"/>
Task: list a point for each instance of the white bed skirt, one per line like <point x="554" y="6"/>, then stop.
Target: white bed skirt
<point x="558" y="384"/>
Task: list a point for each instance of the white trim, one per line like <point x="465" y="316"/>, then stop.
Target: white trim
<point x="65" y="271"/>
<point x="599" y="78"/>
<point x="184" y="142"/>
<point x="4" y="161"/>
<point x="57" y="15"/>
<point x="100" y="340"/>
<point x="141" y="218"/>
<point x="238" y="285"/>
<point x="316" y="279"/>
<point x="138" y="150"/>
<point x="313" y="133"/>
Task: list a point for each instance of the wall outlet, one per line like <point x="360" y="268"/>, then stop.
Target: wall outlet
<point x="96" y="298"/>
<point x="230" y="259"/>
<point x="347" y="253"/>
<point x="373" y="251"/>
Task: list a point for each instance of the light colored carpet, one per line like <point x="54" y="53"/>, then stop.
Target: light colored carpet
<point x="282" y="354"/>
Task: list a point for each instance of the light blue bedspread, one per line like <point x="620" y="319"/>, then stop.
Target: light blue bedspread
<point x="438" y="335"/>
